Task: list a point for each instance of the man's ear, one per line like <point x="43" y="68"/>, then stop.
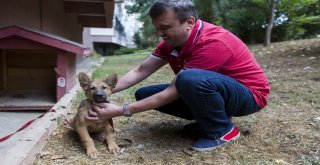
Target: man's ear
<point x="112" y="80"/>
<point x="191" y="21"/>
<point x="84" y="80"/>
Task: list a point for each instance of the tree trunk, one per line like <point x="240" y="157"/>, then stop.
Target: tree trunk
<point x="272" y="6"/>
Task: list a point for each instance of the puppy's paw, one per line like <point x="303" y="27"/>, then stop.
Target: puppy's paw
<point x="114" y="148"/>
<point x="92" y="152"/>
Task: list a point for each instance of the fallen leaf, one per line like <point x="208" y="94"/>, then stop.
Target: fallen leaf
<point x="44" y="153"/>
<point x="187" y="152"/>
<point x="54" y="157"/>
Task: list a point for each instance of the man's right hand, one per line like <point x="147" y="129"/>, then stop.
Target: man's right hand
<point x="103" y="111"/>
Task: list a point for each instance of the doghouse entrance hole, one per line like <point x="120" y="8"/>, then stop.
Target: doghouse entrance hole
<point x="27" y="79"/>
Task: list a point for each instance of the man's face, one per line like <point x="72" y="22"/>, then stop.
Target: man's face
<point x="172" y="31"/>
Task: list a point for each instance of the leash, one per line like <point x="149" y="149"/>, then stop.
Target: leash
<point x="127" y="144"/>
<point x="24" y="126"/>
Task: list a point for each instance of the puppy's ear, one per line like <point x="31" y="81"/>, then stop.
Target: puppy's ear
<point x="112" y="80"/>
<point x="84" y="80"/>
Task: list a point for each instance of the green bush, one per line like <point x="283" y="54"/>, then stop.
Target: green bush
<point x="124" y="50"/>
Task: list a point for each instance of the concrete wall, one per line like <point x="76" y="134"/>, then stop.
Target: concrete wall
<point x="43" y="15"/>
<point x="89" y="38"/>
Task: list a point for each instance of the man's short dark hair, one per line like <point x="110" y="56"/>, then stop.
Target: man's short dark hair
<point x="183" y="9"/>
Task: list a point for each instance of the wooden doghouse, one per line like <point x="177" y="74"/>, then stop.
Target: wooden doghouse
<point x="37" y="68"/>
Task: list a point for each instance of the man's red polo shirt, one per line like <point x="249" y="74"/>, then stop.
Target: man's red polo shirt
<point x="213" y="48"/>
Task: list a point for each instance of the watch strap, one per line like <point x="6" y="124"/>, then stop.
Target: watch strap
<point x="126" y="111"/>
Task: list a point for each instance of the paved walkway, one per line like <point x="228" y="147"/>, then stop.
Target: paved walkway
<point x="22" y="147"/>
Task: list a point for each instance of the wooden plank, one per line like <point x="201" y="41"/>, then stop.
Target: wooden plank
<point x="109" y="8"/>
<point x="4" y="72"/>
<point x="38" y="86"/>
<point x="31" y="79"/>
<point x="30" y="84"/>
<point x="31" y="59"/>
<point x="31" y="72"/>
<point x="31" y="87"/>
<point x="26" y="99"/>
<point x="81" y="7"/>
<point x="1" y="68"/>
<point x="31" y="62"/>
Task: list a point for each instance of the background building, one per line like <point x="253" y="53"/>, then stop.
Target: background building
<point x="106" y="40"/>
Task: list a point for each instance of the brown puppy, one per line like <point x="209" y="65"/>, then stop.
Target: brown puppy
<point x="97" y="91"/>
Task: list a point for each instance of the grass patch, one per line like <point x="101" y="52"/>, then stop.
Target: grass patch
<point x="285" y="132"/>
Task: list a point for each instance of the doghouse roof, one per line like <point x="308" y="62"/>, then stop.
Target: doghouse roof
<point x="43" y="38"/>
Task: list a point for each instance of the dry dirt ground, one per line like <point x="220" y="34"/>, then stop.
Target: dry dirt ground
<point x="287" y="131"/>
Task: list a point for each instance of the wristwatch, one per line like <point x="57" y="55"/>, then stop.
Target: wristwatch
<point x="126" y="111"/>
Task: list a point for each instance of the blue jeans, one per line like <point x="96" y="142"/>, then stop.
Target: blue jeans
<point x="208" y="97"/>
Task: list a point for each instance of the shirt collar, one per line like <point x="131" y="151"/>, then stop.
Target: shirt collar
<point x="194" y="34"/>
